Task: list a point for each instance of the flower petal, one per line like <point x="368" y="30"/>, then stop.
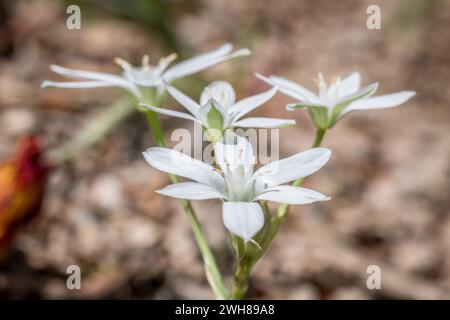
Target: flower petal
<point x="292" y="195"/>
<point x="177" y="163"/>
<point x="220" y="91"/>
<point x="190" y="191"/>
<point x="350" y="84"/>
<point x="343" y="103"/>
<point x="243" y="219"/>
<point x="381" y="102"/>
<point x="169" y="112"/>
<point x="88" y="75"/>
<point x="290" y="88"/>
<point x="203" y="61"/>
<point x="246" y="105"/>
<point x="263" y="123"/>
<point x="236" y="151"/>
<point x="360" y="94"/>
<point x="297" y="166"/>
<point x="108" y="80"/>
<point x="190" y="105"/>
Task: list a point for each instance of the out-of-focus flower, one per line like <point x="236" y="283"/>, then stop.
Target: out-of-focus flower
<point x="134" y="79"/>
<point x="236" y="182"/>
<point x="218" y="109"/>
<point x="22" y="185"/>
<point x="337" y="99"/>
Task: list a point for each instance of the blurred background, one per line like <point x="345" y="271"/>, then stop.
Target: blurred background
<point x="389" y="176"/>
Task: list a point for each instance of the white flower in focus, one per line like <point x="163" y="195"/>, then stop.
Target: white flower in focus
<point x="237" y="184"/>
<point x="146" y="75"/>
<point x="218" y="109"/>
<point x="337" y="99"/>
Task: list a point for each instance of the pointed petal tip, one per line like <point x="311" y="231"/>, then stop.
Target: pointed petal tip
<point x="326" y="151"/>
<point x="245" y="51"/>
<point x="227" y="45"/>
<point x="290" y="122"/>
<point x="57" y="68"/>
<point x="291" y="107"/>
<point x="263" y="77"/>
<point x="46" y="84"/>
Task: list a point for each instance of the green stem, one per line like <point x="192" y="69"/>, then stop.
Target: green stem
<point x="319" y="137"/>
<point x="212" y="271"/>
<point x="240" y="279"/>
<point x="97" y="129"/>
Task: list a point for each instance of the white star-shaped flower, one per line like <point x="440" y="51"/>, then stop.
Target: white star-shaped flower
<point x="237" y="183"/>
<point x="337" y="99"/>
<point x="146" y="75"/>
<point x="218" y="109"/>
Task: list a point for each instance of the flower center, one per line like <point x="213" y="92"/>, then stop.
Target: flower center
<point x="328" y="94"/>
<point x="146" y="74"/>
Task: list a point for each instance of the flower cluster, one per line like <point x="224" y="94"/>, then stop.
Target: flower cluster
<point x="233" y="178"/>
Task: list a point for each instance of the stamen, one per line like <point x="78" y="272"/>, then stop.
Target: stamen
<point x="125" y="65"/>
<point x="146" y="61"/>
<point x="167" y="60"/>
<point x="320" y="80"/>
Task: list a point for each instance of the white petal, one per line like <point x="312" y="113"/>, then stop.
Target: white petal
<point x="263" y="123"/>
<point x="170" y="112"/>
<point x="220" y="91"/>
<point x="75" y="84"/>
<point x="292" y="195"/>
<point x="190" y="105"/>
<point x="108" y="80"/>
<point x="290" y="88"/>
<point x="177" y="163"/>
<point x="203" y="61"/>
<point x="350" y="84"/>
<point x="243" y="219"/>
<point x="88" y="75"/>
<point x="360" y="94"/>
<point x="297" y="166"/>
<point x="246" y="105"/>
<point x="190" y="191"/>
<point x="381" y="102"/>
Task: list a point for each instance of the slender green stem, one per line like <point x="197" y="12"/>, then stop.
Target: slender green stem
<point x="319" y="137"/>
<point x="97" y="129"/>
<point x="240" y="278"/>
<point x="212" y="271"/>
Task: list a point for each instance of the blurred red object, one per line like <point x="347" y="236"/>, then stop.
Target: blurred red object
<point x="22" y="186"/>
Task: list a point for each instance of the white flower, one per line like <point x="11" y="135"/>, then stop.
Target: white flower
<point x="133" y="78"/>
<point x="337" y="99"/>
<point x="218" y="109"/>
<point x="236" y="182"/>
